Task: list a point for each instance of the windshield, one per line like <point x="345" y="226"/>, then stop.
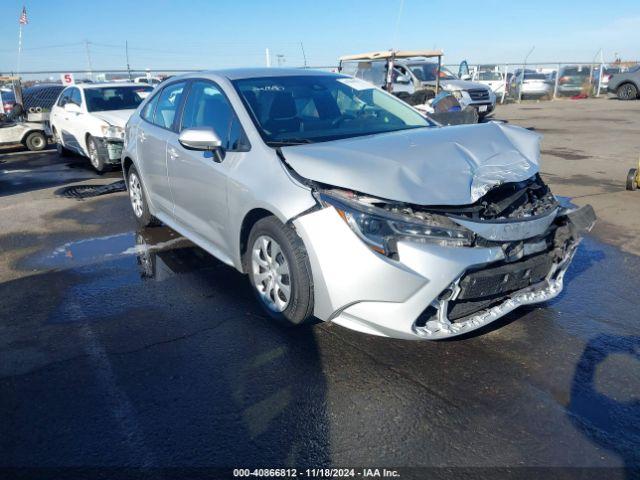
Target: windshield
<point x="426" y="72"/>
<point x="115" y="98"/>
<point x="307" y="109"/>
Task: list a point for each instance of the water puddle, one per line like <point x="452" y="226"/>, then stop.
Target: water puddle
<point x="159" y="252"/>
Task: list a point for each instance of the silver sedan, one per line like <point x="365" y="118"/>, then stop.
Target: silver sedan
<point x="344" y="204"/>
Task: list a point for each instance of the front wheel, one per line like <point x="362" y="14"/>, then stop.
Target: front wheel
<point x="95" y="155"/>
<point x="627" y="91"/>
<point x="279" y="270"/>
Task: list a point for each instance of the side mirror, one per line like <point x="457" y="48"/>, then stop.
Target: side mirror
<point x="404" y="79"/>
<point x="71" y="107"/>
<point x="465" y="77"/>
<point x="203" y="139"/>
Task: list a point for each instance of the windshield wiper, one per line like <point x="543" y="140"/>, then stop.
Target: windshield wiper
<point x="288" y="142"/>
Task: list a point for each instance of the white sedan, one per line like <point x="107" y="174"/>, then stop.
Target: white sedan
<point x="89" y="119"/>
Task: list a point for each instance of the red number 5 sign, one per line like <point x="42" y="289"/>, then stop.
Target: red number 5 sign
<point x="67" y="78"/>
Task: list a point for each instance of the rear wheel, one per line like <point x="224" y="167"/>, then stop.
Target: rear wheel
<point x="36" y="141"/>
<point x="95" y="155"/>
<point x="627" y="91"/>
<point x="632" y="179"/>
<point x="279" y="270"/>
<point x="138" y="199"/>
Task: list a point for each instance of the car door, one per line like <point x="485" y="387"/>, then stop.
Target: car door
<point x="159" y="117"/>
<point x="77" y="121"/>
<point x="58" y="115"/>
<point x="71" y="133"/>
<point x="198" y="179"/>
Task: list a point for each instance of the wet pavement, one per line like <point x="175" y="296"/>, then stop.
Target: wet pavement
<point x="134" y="348"/>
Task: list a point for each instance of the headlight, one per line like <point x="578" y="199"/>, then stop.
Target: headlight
<point x="381" y="229"/>
<point x="457" y="94"/>
<point x="111" y="132"/>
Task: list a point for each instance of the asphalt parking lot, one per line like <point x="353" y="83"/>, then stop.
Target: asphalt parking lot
<point x="133" y="348"/>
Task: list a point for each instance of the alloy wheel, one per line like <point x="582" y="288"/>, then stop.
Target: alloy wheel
<point x="271" y="274"/>
<point x="135" y="194"/>
<point x="93" y="154"/>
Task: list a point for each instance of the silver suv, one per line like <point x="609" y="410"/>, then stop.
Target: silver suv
<point x="343" y="203"/>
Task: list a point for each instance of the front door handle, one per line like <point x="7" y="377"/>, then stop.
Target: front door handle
<point x="173" y="153"/>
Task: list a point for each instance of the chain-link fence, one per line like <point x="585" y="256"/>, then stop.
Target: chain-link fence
<point x="514" y="82"/>
<point x="511" y="82"/>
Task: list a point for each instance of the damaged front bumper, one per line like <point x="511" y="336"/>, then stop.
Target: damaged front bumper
<point x="430" y="291"/>
<point x="110" y="149"/>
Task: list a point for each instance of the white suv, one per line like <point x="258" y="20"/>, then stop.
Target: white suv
<point x="90" y="118"/>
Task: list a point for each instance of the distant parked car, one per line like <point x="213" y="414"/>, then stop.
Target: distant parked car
<point x="147" y="80"/>
<point x="572" y="79"/>
<point x="494" y="79"/>
<point x="90" y="118"/>
<point x="625" y="85"/>
<point x="607" y="73"/>
<point x="533" y="85"/>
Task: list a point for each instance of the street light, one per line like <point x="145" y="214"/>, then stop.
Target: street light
<point x="524" y="67"/>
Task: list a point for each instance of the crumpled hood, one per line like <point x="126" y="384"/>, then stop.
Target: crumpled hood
<point x="427" y="166"/>
<point x="117" y="118"/>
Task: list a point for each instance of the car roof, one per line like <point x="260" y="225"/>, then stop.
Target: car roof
<point x="244" y="73"/>
<point x="87" y="86"/>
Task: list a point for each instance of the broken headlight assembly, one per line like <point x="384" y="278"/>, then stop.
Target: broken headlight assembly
<point x="382" y="228"/>
<point x="111" y="132"/>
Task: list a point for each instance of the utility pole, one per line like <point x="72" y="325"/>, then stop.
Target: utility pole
<point x="303" y="54"/>
<point x="90" y="72"/>
<point x="126" y="49"/>
<point x="524" y="67"/>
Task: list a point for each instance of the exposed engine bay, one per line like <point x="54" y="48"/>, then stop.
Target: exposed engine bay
<point x="537" y="237"/>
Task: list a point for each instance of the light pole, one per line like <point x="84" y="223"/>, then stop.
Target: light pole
<point x="524" y="67"/>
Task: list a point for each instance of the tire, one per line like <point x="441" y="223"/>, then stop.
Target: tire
<point x="36" y="141"/>
<point x="61" y="149"/>
<point x="138" y="199"/>
<point x="632" y="179"/>
<point x="96" y="155"/>
<point x="627" y="91"/>
<point x="273" y="249"/>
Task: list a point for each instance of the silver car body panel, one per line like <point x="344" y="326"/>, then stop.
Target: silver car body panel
<point x="353" y="286"/>
<point x="414" y="166"/>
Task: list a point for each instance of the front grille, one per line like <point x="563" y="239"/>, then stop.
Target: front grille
<point x="484" y="288"/>
<point x="478" y="95"/>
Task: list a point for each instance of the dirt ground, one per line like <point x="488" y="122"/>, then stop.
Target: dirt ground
<point x="588" y="147"/>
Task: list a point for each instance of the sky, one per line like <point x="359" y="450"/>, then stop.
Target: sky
<point x="199" y="34"/>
